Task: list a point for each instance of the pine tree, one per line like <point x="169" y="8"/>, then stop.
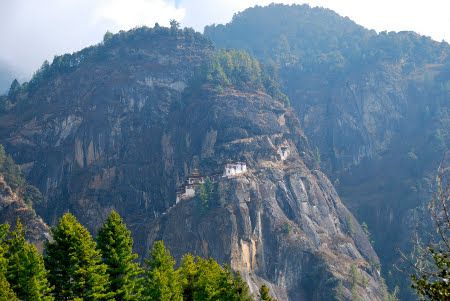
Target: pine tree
<point x="240" y="289"/>
<point x="206" y="196"/>
<point x="230" y="286"/>
<point x="25" y="269"/>
<point x="207" y="280"/>
<point x="74" y="264"/>
<point x="188" y="275"/>
<point x="161" y="280"/>
<point x="6" y="293"/>
<point x="115" y="246"/>
<point x="264" y="293"/>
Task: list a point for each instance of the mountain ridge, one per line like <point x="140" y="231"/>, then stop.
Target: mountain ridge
<point x="118" y="126"/>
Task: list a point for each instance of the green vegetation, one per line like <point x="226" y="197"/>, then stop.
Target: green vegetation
<point x="206" y="197"/>
<point x="162" y="281"/>
<point x="25" y="269"/>
<point x="74" y="264"/>
<point x="6" y="293"/>
<point x="77" y="269"/>
<point x="287" y="228"/>
<point x="365" y="229"/>
<point x="206" y="280"/>
<point x="306" y="39"/>
<point x="236" y="68"/>
<point x="13" y="177"/>
<point x="356" y="279"/>
<point x="264" y="294"/>
<point x="435" y="286"/>
<point x="318" y="160"/>
<point x="350" y="225"/>
<point x="115" y="245"/>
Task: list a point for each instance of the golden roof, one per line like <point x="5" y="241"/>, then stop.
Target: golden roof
<point x="195" y="173"/>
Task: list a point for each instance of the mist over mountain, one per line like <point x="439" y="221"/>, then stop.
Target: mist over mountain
<point x="6" y="78"/>
<point x="341" y="131"/>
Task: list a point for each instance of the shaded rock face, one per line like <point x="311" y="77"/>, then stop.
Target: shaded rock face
<point x="369" y="112"/>
<point x="123" y="133"/>
<point x="12" y="207"/>
<point x="280" y="222"/>
<point x="381" y="132"/>
<point x="92" y="140"/>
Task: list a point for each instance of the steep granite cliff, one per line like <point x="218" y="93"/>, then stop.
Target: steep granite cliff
<point x="279" y="222"/>
<point x="122" y="129"/>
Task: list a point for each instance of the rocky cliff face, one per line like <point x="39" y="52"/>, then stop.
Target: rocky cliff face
<point x="280" y="222"/>
<point x="91" y="139"/>
<point x="381" y="133"/>
<point x="12" y="207"/>
<point x="122" y="133"/>
<point x="369" y="112"/>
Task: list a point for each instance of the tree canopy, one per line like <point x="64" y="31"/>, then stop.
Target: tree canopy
<point x="237" y="68"/>
<point x="74" y="264"/>
<point x="25" y="269"/>
<point x="115" y="245"/>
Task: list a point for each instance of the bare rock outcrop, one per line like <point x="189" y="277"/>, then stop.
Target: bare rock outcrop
<point x="13" y="207"/>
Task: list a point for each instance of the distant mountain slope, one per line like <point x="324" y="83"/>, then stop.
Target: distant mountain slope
<point x="375" y="107"/>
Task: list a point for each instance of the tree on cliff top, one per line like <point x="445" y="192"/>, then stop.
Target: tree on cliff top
<point x="115" y="246"/>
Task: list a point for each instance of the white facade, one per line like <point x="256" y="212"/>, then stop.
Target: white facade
<point x="234" y="169"/>
<point x="190" y="191"/>
<point x="196" y="180"/>
<point x="284" y="152"/>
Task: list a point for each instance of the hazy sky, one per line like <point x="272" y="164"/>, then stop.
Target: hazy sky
<point x="34" y="30"/>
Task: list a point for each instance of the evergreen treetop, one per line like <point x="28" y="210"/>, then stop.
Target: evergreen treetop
<point x="206" y="280"/>
<point x="226" y="67"/>
<point x="74" y="264"/>
<point x="6" y="293"/>
<point x="162" y="281"/>
<point x="115" y="245"/>
<point x="25" y="268"/>
<point x="264" y="293"/>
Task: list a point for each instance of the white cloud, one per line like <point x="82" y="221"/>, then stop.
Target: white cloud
<point x="126" y="14"/>
<point x="32" y="31"/>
